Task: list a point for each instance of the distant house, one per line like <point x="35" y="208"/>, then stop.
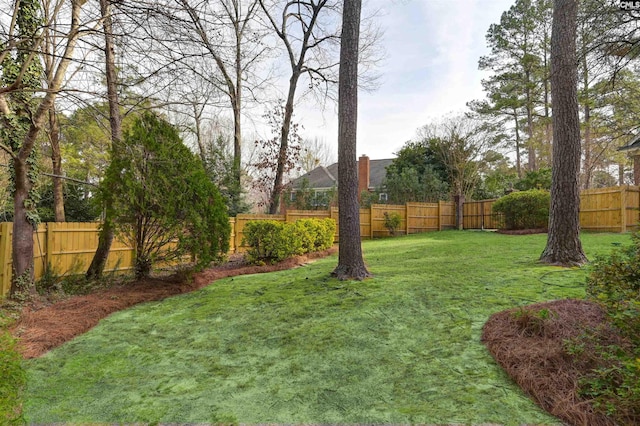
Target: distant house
<point x="633" y="150"/>
<point x="323" y="180"/>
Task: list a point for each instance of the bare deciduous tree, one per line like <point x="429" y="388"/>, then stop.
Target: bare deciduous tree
<point x="309" y="33"/>
<point x="315" y="152"/>
<point x="105" y="239"/>
<point x="24" y="40"/>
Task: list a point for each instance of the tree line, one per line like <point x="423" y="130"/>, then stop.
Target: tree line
<point x="83" y="82"/>
<point x="504" y="141"/>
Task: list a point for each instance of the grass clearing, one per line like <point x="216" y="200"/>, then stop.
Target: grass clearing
<point x="299" y="347"/>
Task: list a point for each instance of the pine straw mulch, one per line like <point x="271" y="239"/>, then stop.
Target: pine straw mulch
<point x="41" y="328"/>
<point x="532" y="350"/>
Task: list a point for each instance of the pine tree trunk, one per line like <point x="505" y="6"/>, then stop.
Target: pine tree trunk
<point x="350" y="262"/>
<point x="563" y="243"/>
<point x="532" y="164"/>
<point x="518" y="160"/>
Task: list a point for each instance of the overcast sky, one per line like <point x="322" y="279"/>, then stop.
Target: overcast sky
<point x="430" y="70"/>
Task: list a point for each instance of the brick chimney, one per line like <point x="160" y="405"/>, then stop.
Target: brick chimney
<point x="363" y="174"/>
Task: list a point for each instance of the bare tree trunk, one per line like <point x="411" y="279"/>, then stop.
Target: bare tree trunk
<point x="589" y="162"/>
<point x="115" y="120"/>
<point x="22" y="241"/>
<point x="531" y="149"/>
<point x="563" y="243"/>
<point x="22" y="244"/>
<point x="197" y="116"/>
<point x="518" y="159"/>
<point x="274" y="199"/>
<point x="237" y="114"/>
<point x="350" y="262"/>
<point x="56" y="161"/>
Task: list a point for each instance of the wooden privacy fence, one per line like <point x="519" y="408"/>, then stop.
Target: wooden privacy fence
<point x="68" y="248"/>
<point x="480" y="215"/>
<point x="415" y="218"/>
<point x="614" y="209"/>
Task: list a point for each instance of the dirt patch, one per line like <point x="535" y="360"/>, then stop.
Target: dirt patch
<point x="532" y="351"/>
<point x="42" y="328"/>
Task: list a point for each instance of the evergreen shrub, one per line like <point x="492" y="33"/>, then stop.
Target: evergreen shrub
<point x="392" y="222"/>
<point x="525" y="209"/>
<point x="271" y="241"/>
<point x="614" y="385"/>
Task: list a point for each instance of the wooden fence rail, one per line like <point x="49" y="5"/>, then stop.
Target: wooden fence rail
<point x="67" y="248"/>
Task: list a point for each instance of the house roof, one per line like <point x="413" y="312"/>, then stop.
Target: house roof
<point x="633" y="145"/>
<point x="327" y="177"/>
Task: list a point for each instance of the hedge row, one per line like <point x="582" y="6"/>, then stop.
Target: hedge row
<point x="271" y="241"/>
<point x="525" y="209"/>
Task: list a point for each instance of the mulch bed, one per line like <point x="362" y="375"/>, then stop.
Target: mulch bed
<point x="533" y="353"/>
<point x="42" y="328"/>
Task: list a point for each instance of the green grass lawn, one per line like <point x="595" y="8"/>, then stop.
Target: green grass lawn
<point x="300" y="347"/>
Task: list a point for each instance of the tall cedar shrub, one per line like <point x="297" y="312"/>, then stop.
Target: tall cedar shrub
<point x="164" y="204"/>
<point x="525" y="209"/>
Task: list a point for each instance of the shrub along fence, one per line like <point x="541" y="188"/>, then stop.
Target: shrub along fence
<point x="415" y="218"/>
<point x="614" y="209"/>
<point x="69" y="247"/>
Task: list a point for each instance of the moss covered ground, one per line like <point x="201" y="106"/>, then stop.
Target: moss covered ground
<point x="300" y="347"/>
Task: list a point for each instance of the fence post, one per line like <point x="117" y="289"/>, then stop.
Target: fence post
<point x="623" y="209"/>
<point x="439" y="215"/>
<point x="371" y="221"/>
<point x="5" y="256"/>
<point x="406" y="217"/>
<point x="238" y="239"/>
<point x="49" y="244"/>
<point x="335" y="215"/>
